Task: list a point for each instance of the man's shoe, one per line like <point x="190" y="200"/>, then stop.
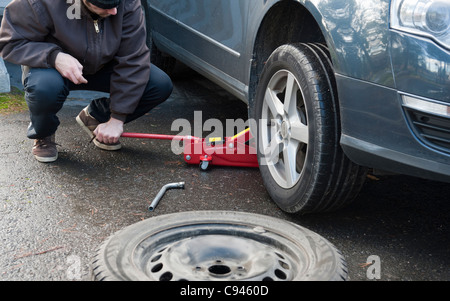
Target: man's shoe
<point x="44" y="150"/>
<point x="89" y="124"/>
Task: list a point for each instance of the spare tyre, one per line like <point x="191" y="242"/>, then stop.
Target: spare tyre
<point x="217" y="245"/>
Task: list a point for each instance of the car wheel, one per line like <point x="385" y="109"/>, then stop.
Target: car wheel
<point x="217" y="246"/>
<point x="302" y="164"/>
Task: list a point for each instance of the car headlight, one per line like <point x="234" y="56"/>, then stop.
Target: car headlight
<point x="429" y="18"/>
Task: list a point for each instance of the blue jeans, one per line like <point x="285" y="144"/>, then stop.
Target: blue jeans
<point x="46" y="91"/>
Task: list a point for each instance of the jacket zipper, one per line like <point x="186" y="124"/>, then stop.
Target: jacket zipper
<point x="97" y="28"/>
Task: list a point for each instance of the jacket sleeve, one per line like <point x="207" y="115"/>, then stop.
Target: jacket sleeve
<point x="132" y="71"/>
<point x="24" y="28"/>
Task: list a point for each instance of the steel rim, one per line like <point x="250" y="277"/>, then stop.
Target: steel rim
<point x="218" y="252"/>
<point x="284" y="130"/>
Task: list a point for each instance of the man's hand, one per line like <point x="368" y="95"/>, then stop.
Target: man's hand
<point x="70" y="68"/>
<point x="110" y="132"/>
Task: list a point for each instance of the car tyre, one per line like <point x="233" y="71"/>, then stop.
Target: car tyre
<point x="303" y="167"/>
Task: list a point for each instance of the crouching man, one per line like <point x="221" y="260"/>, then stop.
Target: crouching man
<point x="103" y="49"/>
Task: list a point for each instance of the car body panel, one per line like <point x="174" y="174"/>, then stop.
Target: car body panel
<point x="421" y="67"/>
<point x="357" y="36"/>
<point x="206" y="39"/>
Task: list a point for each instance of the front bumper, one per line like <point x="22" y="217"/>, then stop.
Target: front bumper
<point x="378" y="131"/>
<point x="404" y="128"/>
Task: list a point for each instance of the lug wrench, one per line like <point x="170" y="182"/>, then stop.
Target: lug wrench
<point x="161" y="193"/>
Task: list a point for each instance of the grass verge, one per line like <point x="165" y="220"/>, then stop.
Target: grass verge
<point x="12" y="102"/>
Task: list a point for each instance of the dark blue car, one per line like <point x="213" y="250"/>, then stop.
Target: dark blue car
<point x="336" y="86"/>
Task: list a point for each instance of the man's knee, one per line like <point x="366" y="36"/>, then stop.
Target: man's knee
<point x="166" y="87"/>
<point x="160" y="85"/>
<point x="45" y="87"/>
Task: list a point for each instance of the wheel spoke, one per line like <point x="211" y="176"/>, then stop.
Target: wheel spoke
<point x="274" y="104"/>
<point x="299" y="131"/>
<point x="289" y="156"/>
<point x="273" y="150"/>
<point x="291" y="89"/>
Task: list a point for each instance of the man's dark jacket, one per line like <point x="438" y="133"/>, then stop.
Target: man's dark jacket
<point x="33" y="32"/>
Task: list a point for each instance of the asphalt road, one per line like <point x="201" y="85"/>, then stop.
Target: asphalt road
<point x="53" y="217"/>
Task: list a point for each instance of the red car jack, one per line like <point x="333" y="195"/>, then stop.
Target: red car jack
<point x="239" y="150"/>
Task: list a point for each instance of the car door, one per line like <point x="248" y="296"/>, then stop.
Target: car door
<point x="209" y="35"/>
